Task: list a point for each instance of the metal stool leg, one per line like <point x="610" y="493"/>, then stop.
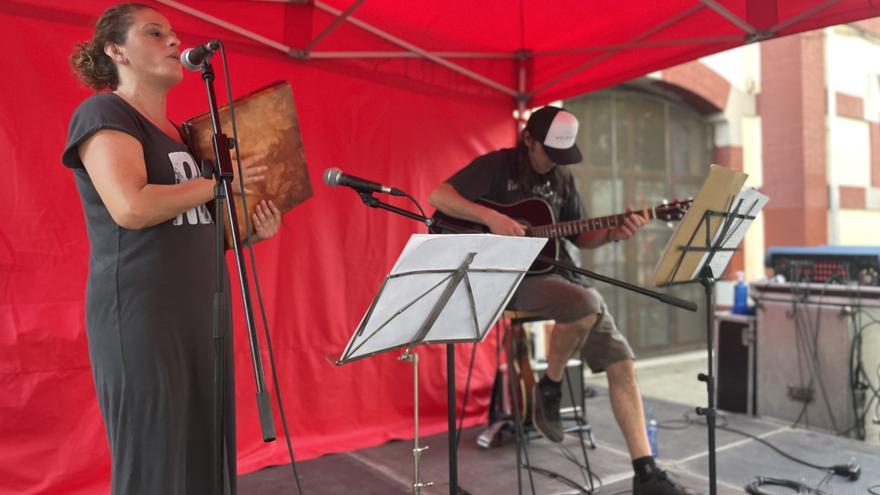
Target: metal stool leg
<point x="581" y="424"/>
<point x="514" y="394"/>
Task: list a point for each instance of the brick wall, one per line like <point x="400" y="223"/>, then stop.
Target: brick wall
<point x="792" y="109"/>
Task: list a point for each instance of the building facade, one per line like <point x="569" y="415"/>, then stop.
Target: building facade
<point x="800" y="115"/>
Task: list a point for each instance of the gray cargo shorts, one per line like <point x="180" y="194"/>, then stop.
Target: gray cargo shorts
<point x="558" y="299"/>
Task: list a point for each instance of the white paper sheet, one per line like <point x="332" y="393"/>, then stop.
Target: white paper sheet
<point x="406" y="298"/>
<point x="752" y="203"/>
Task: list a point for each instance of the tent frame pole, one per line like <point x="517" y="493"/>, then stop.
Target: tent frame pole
<point x="419" y="51"/>
<point x="332" y="27"/>
<point x="442" y="58"/>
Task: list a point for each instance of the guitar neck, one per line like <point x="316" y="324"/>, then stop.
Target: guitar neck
<point x="574" y="227"/>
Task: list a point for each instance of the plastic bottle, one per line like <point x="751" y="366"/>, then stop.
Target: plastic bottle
<point x="652" y="433"/>
<point x="740" y="295"/>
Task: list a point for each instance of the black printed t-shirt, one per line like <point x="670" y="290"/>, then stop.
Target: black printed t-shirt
<point x="493" y="176"/>
<point x="149" y="319"/>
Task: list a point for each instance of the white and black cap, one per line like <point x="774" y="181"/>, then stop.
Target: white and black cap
<point x="556" y="130"/>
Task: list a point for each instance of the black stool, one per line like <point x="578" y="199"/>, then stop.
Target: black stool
<point x="511" y="322"/>
<point x="578" y="401"/>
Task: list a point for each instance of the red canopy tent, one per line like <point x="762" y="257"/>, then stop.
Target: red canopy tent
<point x="401" y="92"/>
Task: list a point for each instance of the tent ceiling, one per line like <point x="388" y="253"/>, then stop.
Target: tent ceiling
<point x="365" y="101"/>
<point x="548" y="50"/>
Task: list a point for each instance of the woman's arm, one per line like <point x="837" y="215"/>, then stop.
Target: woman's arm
<point x="115" y="163"/>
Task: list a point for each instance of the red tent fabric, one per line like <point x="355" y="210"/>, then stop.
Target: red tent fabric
<point x="565" y="47"/>
<point x="397" y="119"/>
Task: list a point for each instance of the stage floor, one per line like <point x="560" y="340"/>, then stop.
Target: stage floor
<point x="387" y="469"/>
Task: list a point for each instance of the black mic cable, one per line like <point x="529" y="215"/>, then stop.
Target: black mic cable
<point x="754" y="486"/>
<point x="253" y="262"/>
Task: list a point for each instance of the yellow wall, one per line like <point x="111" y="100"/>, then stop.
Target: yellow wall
<point x="859" y="228"/>
<point x="753" y="245"/>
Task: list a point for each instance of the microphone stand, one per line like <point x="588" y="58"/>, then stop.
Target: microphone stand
<point x="221" y="170"/>
<point x="660" y="296"/>
<point x="373" y="202"/>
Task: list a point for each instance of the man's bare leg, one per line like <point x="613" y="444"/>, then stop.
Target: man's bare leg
<point x="626" y="402"/>
<point x="565" y="340"/>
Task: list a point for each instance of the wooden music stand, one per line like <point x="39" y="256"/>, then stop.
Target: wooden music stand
<point x="700" y="249"/>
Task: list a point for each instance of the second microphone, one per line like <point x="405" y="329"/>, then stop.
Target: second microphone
<point x="334" y="177"/>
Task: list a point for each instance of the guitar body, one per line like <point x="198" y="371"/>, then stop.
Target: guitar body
<point x="529" y="212"/>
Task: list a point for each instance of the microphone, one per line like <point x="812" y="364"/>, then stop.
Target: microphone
<point x="194" y="58"/>
<point x="334" y="177"/>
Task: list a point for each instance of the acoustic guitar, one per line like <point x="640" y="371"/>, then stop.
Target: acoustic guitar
<point x="525" y="376"/>
<point x="502" y="404"/>
<point x="540" y="221"/>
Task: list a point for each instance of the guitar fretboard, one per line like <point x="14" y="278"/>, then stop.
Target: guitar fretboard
<point x="574" y="227"/>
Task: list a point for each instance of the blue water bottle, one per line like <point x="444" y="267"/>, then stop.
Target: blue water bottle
<point x="740" y="295"/>
<point x="652" y="433"/>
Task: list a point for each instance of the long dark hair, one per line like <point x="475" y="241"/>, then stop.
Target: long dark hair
<point x="527" y="178"/>
<point x="89" y="62"/>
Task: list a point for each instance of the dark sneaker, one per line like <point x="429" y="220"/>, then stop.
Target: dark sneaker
<point x="659" y="484"/>
<point x="545" y="411"/>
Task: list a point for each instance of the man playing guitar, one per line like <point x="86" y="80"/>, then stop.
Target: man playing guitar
<point x="582" y="320"/>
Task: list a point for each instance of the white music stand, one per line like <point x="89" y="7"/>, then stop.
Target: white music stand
<point x="442" y="289"/>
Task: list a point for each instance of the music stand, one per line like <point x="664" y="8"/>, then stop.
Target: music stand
<point x="700" y="249"/>
<point x="443" y="289"/>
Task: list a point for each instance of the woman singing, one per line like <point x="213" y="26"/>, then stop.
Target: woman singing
<point x="149" y="309"/>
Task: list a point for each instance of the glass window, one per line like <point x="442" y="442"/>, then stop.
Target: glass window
<point x="640" y="149"/>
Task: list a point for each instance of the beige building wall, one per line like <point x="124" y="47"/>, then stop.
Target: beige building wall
<point x="753" y="245"/>
<point x="853" y="70"/>
<point x="845" y="62"/>
<point x="854" y="80"/>
<point x="741" y="68"/>
<point x="859" y="227"/>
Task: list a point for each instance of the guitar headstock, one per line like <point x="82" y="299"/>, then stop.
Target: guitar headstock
<point x="674" y="210"/>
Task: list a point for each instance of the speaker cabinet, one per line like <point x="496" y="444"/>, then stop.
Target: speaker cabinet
<point x="803" y="353"/>
<point x="804" y="343"/>
<point x="735" y="363"/>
